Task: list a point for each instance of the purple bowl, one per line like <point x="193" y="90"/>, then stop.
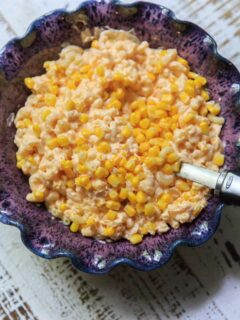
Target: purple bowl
<point x="22" y="57"/>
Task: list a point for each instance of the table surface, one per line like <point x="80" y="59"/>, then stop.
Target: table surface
<point x="198" y="283"/>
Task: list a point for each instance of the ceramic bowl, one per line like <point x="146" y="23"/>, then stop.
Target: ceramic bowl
<point x="23" y="57"/>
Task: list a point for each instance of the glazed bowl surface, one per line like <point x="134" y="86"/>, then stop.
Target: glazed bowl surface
<point x="24" y="57"/>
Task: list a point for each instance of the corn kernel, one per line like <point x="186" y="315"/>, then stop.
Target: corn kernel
<point x="182" y="61"/>
<point x="84" y="118"/>
<point x="151" y="76"/>
<point x="29" y="83"/>
<point x="82" y="181"/>
<point x="50" y="99"/>
<point x="144" y="123"/>
<point x="74" y="227"/>
<point x="167" y="97"/>
<point x="104" y="147"/>
<point x="99" y="133"/>
<point x="218" y="159"/>
<point x="113" y="195"/>
<point x="123" y="194"/>
<point x="130" y="210"/>
<point x="141" y="197"/>
<point x="90" y="222"/>
<point x="167" y="169"/>
<point x="70" y="183"/>
<point x="20" y="164"/>
<point x="66" y="164"/>
<point x="108" y="164"/>
<point x="176" y="166"/>
<point x="108" y="231"/>
<point x="214" y="109"/>
<point x="184" y="97"/>
<point x="182" y="185"/>
<point x="95" y="44"/>
<point x="62" y="140"/>
<point x="113" y="180"/>
<point x="45" y="114"/>
<point x="135" y="182"/>
<point x="140" y="138"/>
<point x="134" y="119"/>
<point x="149" y="209"/>
<point x="164" y="201"/>
<point x="216" y="120"/>
<point x="114" y="205"/>
<point x="70" y="105"/>
<point x="132" y="197"/>
<point x="36" y="130"/>
<point x="101" y="173"/>
<point x="144" y="146"/>
<point x="52" y="143"/>
<point x="126" y="132"/>
<point x="114" y="104"/>
<point x="136" y="238"/>
<point x="200" y="81"/>
<point x="204" y="126"/>
<point x="53" y="89"/>
<point x="205" y="95"/>
<point x="38" y="196"/>
<point x="71" y="84"/>
<point x="174" y="87"/>
<point x="111" y="215"/>
<point x="138" y="169"/>
<point x="118" y="76"/>
<point x="203" y="111"/>
<point x="151" y="133"/>
<point x="189" y="117"/>
<point x="100" y="71"/>
<point x="81" y="168"/>
<point x="137" y="104"/>
<point x="172" y="157"/>
<point x="63" y="207"/>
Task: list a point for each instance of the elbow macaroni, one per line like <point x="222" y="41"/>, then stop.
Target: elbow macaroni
<point x="104" y="132"/>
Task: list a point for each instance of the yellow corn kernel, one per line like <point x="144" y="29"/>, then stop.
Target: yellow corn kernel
<point x="149" y="209"/>
<point x="137" y="104"/>
<point x="38" y="196"/>
<point x="36" y="130"/>
<point x="151" y="133"/>
<point x="218" y="159"/>
<point x="130" y="210"/>
<point x="70" y="183"/>
<point x="82" y="181"/>
<point x="140" y="138"/>
<point x="32" y="160"/>
<point x="45" y="114"/>
<point x="204" y="126"/>
<point x="189" y="117"/>
<point x="70" y="105"/>
<point x="214" y="109"/>
<point x="118" y="94"/>
<point x="132" y="197"/>
<point x="123" y="194"/>
<point x="90" y="222"/>
<point x="62" y="140"/>
<point x="63" y="207"/>
<point x="138" y="169"/>
<point x="95" y="44"/>
<point x="50" y="99"/>
<point x="193" y="75"/>
<point x="200" y="81"/>
<point x="86" y="133"/>
<point x="99" y="133"/>
<point x="101" y="173"/>
<point x="141" y="197"/>
<point x="151" y="227"/>
<point x="53" y="89"/>
<point x="81" y="168"/>
<point x="135" y="182"/>
<point x="182" y="61"/>
<point x="182" y="185"/>
<point x="66" y="164"/>
<point x="203" y="111"/>
<point x="216" y="120"/>
<point x="114" y="205"/>
<point x="176" y="166"/>
<point x="116" y="160"/>
<point x="104" y="147"/>
<point x="184" y="97"/>
<point x="153" y="151"/>
<point x="111" y="215"/>
<point x="71" y="84"/>
<point x="174" y="87"/>
<point x="126" y="132"/>
<point x="114" y="104"/>
<point x="108" y="164"/>
<point x="144" y="123"/>
<point x="84" y="118"/>
<point x="113" y="180"/>
<point x="74" y="227"/>
<point x="52" y="143"/>
<point x="205" y="95"/>
<point x="151" y="76"/>
<point x="167" y="169"/>
<point x="82" y="147"/>
<point x="167" y="97"/>
<point x="172" y="157"/>
<point x="100" y="71"/>
<point x="108" y="231"/>
<point x="136" y="238"/>
<point x="134" y="119"/>
<point x="118" y="76"/>
<point x="85" y="69"/>
<point x="20" y="164"/>
<point x="164" y="201"/>
<point x="18" y="157"/>
<point x="29" y="83"/>
<point x="113" y="195"/>
<point x="144" y="146"/>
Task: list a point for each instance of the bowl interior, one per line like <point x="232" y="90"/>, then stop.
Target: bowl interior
<point x="24" y="57"/>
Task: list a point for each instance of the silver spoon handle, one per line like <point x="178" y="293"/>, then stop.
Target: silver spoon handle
<point x="228" y="187"/>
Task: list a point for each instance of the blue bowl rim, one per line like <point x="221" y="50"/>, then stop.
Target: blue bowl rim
<point x="120" y="261"/>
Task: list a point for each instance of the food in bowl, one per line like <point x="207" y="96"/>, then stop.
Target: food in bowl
<point x="105" y="130"/>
